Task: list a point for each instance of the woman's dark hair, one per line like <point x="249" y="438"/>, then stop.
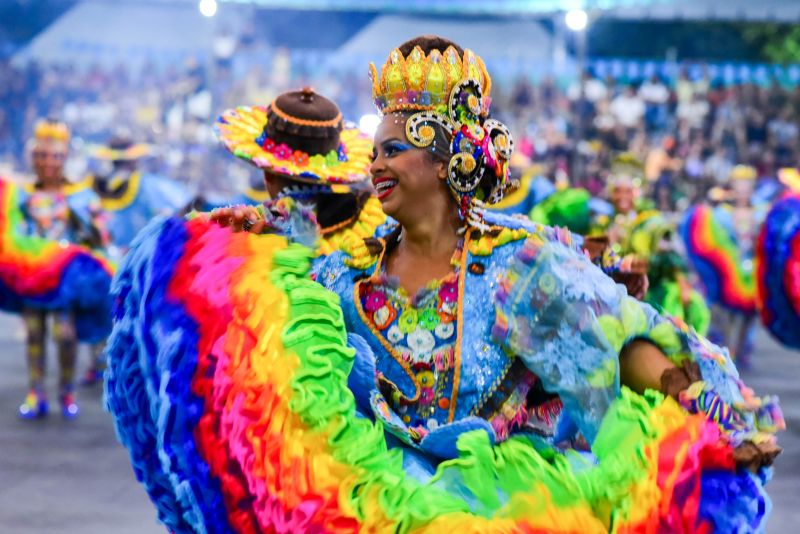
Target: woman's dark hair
<point x="428" y="43"/>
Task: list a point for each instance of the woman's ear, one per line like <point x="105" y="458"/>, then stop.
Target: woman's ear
<point x="441" y="170"/>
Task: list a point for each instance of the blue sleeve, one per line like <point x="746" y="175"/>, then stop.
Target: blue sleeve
<point x="568" y="321"/>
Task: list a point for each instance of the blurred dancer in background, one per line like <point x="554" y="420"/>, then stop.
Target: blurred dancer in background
<point x="56" y="210"/>
<point x="130" y="198"/>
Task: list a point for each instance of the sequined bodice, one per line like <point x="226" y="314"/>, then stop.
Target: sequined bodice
<point x="420" y="334"/>
<point x="49" y="214"/>
<point x="435" y="363"/>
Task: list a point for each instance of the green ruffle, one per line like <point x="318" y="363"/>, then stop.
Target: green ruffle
<point x="567" y="209"/>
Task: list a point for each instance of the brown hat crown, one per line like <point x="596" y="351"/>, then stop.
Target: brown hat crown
<point x="304" y="120"/>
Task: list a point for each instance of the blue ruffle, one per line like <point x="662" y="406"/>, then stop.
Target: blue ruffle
<point x="734" y="502"/>
<point x="152" y="359"/>
<point x="780" y="228"/>
<point x="84" y="288"/>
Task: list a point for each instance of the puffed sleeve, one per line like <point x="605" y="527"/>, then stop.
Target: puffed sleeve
<point x="568" y="321"/>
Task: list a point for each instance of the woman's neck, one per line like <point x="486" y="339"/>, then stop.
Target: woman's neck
<point x="430" y="237"/>
<point x="49" y="186"/>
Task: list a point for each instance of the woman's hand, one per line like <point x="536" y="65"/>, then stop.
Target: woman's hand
<point x="641" y="365"/>
<point x="239" y="219"/>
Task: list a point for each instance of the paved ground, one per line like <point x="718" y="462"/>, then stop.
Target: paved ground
<point x="73" y="477"/>
<point x="59" y="476"/>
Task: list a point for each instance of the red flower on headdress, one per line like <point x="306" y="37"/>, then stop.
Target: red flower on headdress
<point x="282" y="151"/>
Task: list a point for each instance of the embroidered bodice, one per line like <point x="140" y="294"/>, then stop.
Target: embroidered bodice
<point x="48" y="214"/>
<point x="420" y="334"/>
<point x="72" y="214"/>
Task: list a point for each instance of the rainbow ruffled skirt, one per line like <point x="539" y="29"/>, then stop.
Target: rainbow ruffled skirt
<point x="778" y="271"/>
<point x="46" y="275"/>
<point x="228" y="384"/>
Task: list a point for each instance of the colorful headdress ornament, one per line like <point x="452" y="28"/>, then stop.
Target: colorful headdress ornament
<point x="300" y="135"/>
<point x="51" y="130"/>
<point x="452" y="91"/>
<point x="626" y="169"/>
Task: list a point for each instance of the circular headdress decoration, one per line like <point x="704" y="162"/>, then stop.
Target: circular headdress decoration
<point x="451" y="92"/>
<point x="300" y="135"/>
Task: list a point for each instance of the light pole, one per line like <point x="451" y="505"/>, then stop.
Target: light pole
<point x="577" y="20"/>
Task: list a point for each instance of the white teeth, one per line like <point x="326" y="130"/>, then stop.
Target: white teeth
<point x="385" y="185"/>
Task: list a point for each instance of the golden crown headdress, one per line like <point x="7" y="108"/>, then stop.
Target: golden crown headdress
<point x="452" y="91"/>
<point x="48" y="129"/>
<point x="626" y="169"/>
<point x="420" y="82"/>
<point x="744" y="172"/>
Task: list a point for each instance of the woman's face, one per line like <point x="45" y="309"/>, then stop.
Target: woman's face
<point x="407" y="179"/>
<point x="622" y="198"/>
<point x="48" y="160"/>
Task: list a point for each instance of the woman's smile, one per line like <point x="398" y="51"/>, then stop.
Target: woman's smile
<point x="384" y="186"/>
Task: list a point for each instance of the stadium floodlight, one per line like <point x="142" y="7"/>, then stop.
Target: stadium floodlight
<point x="369" y="124"/>
<point x="208" y="8"/>
<point x="576" y="20"/>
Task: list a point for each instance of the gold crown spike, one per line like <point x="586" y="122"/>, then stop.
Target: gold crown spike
<point x="51" y="130"/>
<point x="415" y="69"/>
<point x="436" y="81"/>
<point x="424" y="82"/>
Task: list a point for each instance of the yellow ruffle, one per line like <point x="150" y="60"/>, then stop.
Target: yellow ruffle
<point x="485" y="244"/>
<point x="351" y="238"/>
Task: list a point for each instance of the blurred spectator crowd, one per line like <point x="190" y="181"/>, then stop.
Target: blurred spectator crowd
<point x="688" y="132"/>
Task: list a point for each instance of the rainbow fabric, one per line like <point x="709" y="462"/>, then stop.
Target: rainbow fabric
<point x="227" y="380"/>
<point x="716" y="258"/>
<point x="44" y="274"/>
<point x="778" y="270"/>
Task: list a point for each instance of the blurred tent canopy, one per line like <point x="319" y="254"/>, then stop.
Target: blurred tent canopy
<point x="105" y="32"/>
<point x="762" y="10"/>
<point x="493" y="37"/>
<point x="172" y="31"/>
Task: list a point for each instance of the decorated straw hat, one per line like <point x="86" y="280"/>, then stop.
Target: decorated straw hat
<point x="790" y="177"/>
<point x="301" y="136"/>
<point x="120" y="148"/>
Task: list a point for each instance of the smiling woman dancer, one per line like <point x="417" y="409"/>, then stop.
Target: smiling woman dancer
<point x="464" y="372"/>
